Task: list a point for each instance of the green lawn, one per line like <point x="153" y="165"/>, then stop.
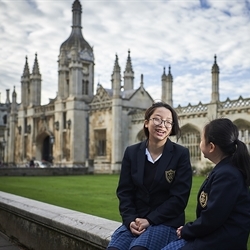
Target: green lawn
<point x="91" y="194"/>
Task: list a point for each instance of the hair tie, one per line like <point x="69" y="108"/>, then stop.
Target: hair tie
<point x="236" y="144"/>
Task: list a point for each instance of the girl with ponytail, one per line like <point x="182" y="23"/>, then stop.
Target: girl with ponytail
<point x="223" y="208"/>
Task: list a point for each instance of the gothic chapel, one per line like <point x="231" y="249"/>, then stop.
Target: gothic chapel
<point x="77" y="128"/>
<point x="82" y="129"/>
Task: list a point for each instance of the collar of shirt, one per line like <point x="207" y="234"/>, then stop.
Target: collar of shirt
<point x="150" y="158"/>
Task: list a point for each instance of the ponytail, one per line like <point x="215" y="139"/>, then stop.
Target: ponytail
<point x="223" y="133"/>
<point x="241" y="160"/>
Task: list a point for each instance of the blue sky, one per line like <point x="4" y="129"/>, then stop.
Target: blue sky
<point x="185" y="34"/>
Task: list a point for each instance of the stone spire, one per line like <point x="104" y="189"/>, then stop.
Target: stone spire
<point x="34" y="94"/>
<point x="116" y="78"/>
<point x="215" y="67"/>
<point x="215" y="81"/>
<point x="167" y="85"/>
<point x="14" y="103"/>
<point x="164" y="76"/>
<point x="77" y="12"/>
<point x="129" y="67"/>
<point x="142" y="81"/>
<point x="169" y="77"/>
<point x="36" y="70"/>
<point x="14" y="93"/>
<point x="76" y="37"/>
<point x="7" y="96"/>
<point x="26" y="71"/>
<point x="116" y="65"/>
<point x="128" y="74"/>
<point x="25" y="84"/>
<point x="116" y="117"/>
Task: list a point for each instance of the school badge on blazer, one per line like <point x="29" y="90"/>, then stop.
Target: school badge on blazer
<point x="169" y="175"/>
<point x="203" y="199"/>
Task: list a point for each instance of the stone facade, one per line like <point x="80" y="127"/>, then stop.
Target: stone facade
<point x="4" y="109"/>
<point x="82" y="129"/>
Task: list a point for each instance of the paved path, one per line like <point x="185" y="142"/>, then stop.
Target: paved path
<point x="6" y="244"/>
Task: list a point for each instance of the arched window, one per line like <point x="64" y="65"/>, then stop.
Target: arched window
<point x="85" y="87"/>
<point x="5" y="119"/>
<point x="190" y="138"/>
<point x="67" y="87"/>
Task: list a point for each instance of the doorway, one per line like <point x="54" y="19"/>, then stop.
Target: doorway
<point x="46" y="150"/>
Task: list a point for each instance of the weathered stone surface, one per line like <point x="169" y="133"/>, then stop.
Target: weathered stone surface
<point x="42" y="226"/>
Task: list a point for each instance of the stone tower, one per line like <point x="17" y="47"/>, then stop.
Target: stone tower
<point x="76" y="62"/>
<point x="128" y="75"/>
<point x="75" y="92"/>
<point x="25" y="80"/>
<point x="116" y="117"/>
<point x="167" y="86"/>
<point x="11" y="130"/>
<point x="31" y="85"/>
<point x="36" y="82"/>
<point x="215" y="82"/>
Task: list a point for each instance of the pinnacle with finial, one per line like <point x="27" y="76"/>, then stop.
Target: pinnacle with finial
<point x="116" y="66"/>
<point x="36" y="66"/>
<point x="26" y="71"/>
<point x="141" y="80"/>
<point x="215" y="67"/>
<point x="129" y="67"/>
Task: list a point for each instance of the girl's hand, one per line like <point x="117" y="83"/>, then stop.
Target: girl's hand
<point x="178" y="232"/>
<point x="134" y="228"/>
<point x="138" y="226"/>
<point x="142" y="223"/>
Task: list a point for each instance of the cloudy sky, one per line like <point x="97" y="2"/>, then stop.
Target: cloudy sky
<point x="185" y="34"/>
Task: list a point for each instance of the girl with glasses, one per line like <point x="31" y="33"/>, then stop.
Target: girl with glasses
<point x="154" y="185"/>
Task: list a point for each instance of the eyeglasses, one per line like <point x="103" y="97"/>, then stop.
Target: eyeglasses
<point x="158" y="121"/>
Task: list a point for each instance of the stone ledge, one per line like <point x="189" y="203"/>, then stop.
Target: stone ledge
<point x="41" y="226"/>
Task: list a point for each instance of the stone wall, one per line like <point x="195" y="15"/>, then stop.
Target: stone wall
<point x="41" y="226"/>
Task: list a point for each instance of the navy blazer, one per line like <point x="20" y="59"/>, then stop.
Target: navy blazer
<point x="167" y="198"/>
<point x="223" y="212"/>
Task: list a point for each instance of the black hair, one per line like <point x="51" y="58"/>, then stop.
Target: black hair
<point x="223" y="133"/>
<point x="175" y="128"/>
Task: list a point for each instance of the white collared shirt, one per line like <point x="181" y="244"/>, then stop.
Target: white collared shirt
<point x="150" y="158"/>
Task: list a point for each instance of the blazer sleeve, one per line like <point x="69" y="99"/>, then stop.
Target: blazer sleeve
<point x="126" y="192"/>
<point x="221" y="200"/>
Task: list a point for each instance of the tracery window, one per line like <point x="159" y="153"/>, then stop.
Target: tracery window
<point x="190" y="138"/>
